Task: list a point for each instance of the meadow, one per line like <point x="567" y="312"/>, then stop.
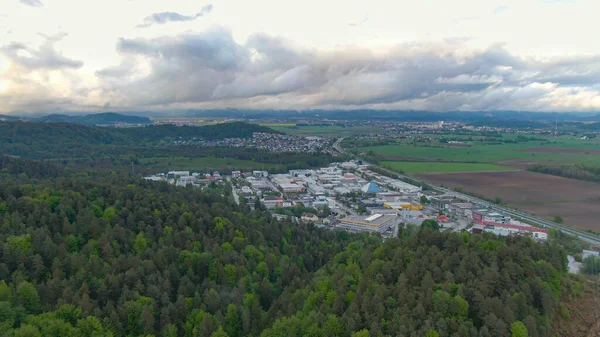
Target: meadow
<point x="429" y="167"/>
<point x="572" y="153"/>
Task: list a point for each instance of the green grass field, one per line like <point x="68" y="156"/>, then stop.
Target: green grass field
<point x="326" y="131"/>
<point x="434" y="167"/>
<point x="488" y="153"/>
<point x="161" y="164"/>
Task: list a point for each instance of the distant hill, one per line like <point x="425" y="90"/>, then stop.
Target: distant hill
<point x="8" y="118"/>
<point x="107" y="118"/>
<point x="43" y="140"/>
<point x="209" y="132"/>
<point x="396" y="115"/>
<point x="511" y="123"/>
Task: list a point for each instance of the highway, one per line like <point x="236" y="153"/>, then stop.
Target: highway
<point x="337" y="145"/>
<point x="582" y="235"/>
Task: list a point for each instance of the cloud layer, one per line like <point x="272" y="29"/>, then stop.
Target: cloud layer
<point x="211" y="70"/>
<point x="32" y="3"/>
<point x="166" y="17"/>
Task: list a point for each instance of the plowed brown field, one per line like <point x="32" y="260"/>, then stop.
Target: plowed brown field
<point x="578" y="202"/>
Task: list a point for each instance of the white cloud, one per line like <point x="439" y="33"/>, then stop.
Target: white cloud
<point x="407" y="55"/>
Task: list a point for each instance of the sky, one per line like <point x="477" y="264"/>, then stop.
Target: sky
<point x="436" y="55"/>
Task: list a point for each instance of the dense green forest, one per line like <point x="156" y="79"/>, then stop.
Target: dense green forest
<point x="68" y="134"/>
<point x="102" y="253"/>
<point x="109" y="148"/>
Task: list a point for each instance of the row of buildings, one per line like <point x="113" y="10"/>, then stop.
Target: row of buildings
<point x="486" y="220"/>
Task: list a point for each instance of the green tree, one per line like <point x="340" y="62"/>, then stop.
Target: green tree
<point x="109" y="213"/>
<point x="432" y="333"/>
<point x="230" y="274"/>
<point x="233" y="323"/>
<point x="558" y="219"/>
<point x="219" y="333"/>
<point x="518" y="329"/>
<point x="459" y="307"/>
<point x="591" y="265"/>
<point x="27" y="330"/>
<point x="430" y="223"/>
<point x="140" y="244"/>
<point x="170" y="331"/>
<point x="5" y="291"/>
<point x="333" y="326"/>
<point x="27" y="296"/>
<point x="362" y="333"/>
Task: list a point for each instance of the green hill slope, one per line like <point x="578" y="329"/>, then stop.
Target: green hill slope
<point x="107" y="118"/>
<point x="60" y="140"/>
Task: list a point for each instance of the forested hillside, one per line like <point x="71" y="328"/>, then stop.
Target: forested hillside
<point x="94" y="253"/>
<point x="106" y="118"/>
<point x="86" y="146"/>
<point x="71" y="134"/>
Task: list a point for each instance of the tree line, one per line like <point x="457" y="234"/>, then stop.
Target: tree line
<point x="578" y="171"/>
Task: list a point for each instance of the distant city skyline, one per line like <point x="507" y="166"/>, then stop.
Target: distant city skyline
<point x="436" y="55"/>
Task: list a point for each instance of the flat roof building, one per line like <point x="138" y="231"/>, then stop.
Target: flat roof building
<point x="378" y="223"/>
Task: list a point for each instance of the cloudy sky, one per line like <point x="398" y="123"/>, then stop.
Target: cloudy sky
<point x="155" y="55"/>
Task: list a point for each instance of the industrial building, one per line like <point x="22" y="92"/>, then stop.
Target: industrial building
<point x="379" y="223"/>
<point x="371" y="188"/>
<point x="509" y="229"/>
<point x="397" y="205"/>
<point x="271" y="201"/>
<point x="176" y="174"/>
<point x="484" y="215"/>
<point x="186" y="181"/>
<point x="589" y="253"/>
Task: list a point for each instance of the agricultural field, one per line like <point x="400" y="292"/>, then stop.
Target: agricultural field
<point x="521" y="154"/>
<point x="323" y="130"/>
<point x="578" y="202"/>
<point x="428" y="167"/>
<point x="164" y="164"/>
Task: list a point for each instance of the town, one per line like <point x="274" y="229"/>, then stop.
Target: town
<point x="273" y="142"/>
<point x="351" y="196"/>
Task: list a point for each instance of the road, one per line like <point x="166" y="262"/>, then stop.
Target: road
<point x="582" y="235"/>
<point x="236" y="197"/>
<point x="337" y="145"/>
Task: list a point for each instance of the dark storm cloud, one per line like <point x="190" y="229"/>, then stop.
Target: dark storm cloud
<point x="32" y="3"/>
<point x="166" y="17"/>
<point x="269" y="72"/>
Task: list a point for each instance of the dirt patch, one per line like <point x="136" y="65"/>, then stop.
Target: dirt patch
<point x="578" y="202"/>
<point x="574" y="213"/>
<point x="561" y="150"/>
<point x="584" y="320"/>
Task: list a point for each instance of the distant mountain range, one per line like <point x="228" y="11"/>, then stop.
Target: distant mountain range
<point x="136" y="117"/>
<point x="8" y="118"/>
<point x="107" y="118"/>
<point x="397" y="115"/>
